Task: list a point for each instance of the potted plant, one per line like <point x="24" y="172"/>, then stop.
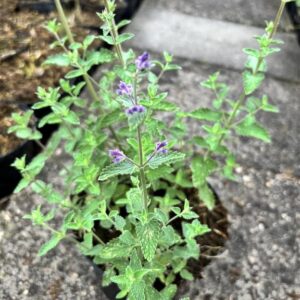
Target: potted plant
<point x="135" y="188"/>
<point x="22" y="58"/>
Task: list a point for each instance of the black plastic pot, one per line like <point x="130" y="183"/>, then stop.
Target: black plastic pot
<point x="9" y="176"/>
<point x="293" y="12"/>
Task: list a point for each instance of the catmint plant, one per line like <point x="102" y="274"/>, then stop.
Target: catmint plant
<point x="121" y="154"/>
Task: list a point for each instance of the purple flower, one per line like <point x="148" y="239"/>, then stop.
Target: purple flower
<point x="143" y="61"/>
<point x="124" y="89"/>
<point x="116" y="155"/>
<point x="160" y="147"/>
<point x="135" y="109"/>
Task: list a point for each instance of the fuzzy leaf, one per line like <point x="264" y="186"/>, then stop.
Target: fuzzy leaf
<point x="165" y="158"/>
<point x="207" y="196"/>
<point x="136" y="119"/>
<point x="137" y="291"/>
<point x="253" y="130"/>
<point x="122" y="168"/>
<point x="52" y="243"/>
<point x="61" y="60"/>
<point x="205" y="114"/>
<point x="252" y="81"/>
<point x="201" y="169"/>
<point x="148" y="235"/>
<point x="191" y="230"/>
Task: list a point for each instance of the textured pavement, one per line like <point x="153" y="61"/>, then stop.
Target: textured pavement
<point x="261" y="260"/>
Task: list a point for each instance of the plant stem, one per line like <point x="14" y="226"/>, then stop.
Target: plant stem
<point x="86" y="77"/>
<point x="64" y="20"/>
<point x="114" y="33"/>
<point x="242" y="97"/>
<point x="142" y="172"/>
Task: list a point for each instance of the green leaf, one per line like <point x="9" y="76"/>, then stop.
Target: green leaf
<point x="169" y="292"/>
<point x="136" y="119"/>
<point x="207" y="196"/>
<point x="252" y="81"/>
<point x="191" y="230"/>
<point x="137" y="291"/>
<point x="135" y="199"/>
<point x="254" y="130"/>
<point x="74" y="74"/>
<point x="148" y="235"/>
<point x="61" y="60"/>
<point x="124" y="37"/>
<point x="24" y="183"/>
<point x="52" y="243"/>
<point x="206" y="114"/>
<point x="165" y="158"/>
<point x="123" y="168"/>
<point x="185" y="274"/>
<point x="201" y="169"/>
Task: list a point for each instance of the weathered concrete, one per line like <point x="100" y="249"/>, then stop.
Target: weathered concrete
<point x="206" y="40"/>
<point x="253" y="13"/>
<point x="63" y="274"/>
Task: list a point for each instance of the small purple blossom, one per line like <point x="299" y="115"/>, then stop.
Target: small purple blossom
<point x="160" y="147"/>
<point x="143" y="61"/>
<point x="124" y="89"/>
<point x="135" y="109"/>
<point x="117" y="155"/>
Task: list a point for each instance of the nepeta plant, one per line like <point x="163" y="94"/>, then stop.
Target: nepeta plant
<point x="123" y="155"/>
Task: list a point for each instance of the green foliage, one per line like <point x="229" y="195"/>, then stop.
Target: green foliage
<point x="126" y="213"/>
<point x="148" y="235"/>
<point x="122" y="168"/>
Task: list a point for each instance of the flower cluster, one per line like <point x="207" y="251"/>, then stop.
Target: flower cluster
<point x="160" y="147"/>
<point x="124" y="89"/>
<point x="135" y="109"/>
<point x="117" y="155"/>
<point x="143" y="61"/>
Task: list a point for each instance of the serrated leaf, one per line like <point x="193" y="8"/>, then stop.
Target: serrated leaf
<point x="137" y="291"/>
<point x="52" y="243"/>
<point x="252" y="81"/>
<point x="253" y="130"/>
<point x="207" y="196"/>
<point x="61" y="60"/>
<point x="168" y="293"/>
<point x="122" y="168"/>
<point x="191" y="230"/>
<point x="124" y="37"/>
<point x="135" y="199"/>
<point x="201" y="169"/>
<point x="205" y="114"/>
<point x="136" y="119"/>
<point x="165" y="158"/>
<point x="148" y="235"/>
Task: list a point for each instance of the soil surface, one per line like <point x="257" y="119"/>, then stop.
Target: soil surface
<point x="24" y="46"/>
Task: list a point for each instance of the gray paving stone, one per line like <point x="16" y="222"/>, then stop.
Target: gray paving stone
<point x="283" y="154"/>
<point x="207" y="40"/>
<point x="63" y="274"/>
<point x="253" y="12"/>
<point x="261" y="258"/>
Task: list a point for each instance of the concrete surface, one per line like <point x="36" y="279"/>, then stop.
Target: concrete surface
<point x="208" y="40"/>
<point x="261" y="261"/>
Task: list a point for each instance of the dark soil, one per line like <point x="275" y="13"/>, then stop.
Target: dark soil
<point x="24" y="45"/>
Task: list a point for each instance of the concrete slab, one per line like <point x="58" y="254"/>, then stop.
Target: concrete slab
<point x="254" y="12"/>
<point x="283" y="154"/>
<point x="207" y="40"/>
<point x="261" y="261"/>
<point x="63" y="274"/>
